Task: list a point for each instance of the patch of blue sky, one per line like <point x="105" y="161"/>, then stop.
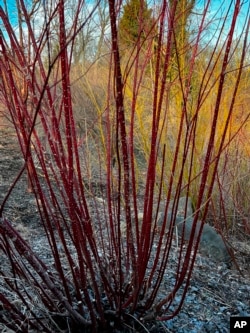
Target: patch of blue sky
<point x="218" y="12"/>
<point x="11" y="10"/>
<point x="221" y="13"/>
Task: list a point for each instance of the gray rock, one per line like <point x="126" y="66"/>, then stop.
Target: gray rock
<point x="211" y="242"/>
<point x="184" y="207"/>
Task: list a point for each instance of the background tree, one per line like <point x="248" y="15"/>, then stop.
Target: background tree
<point x="136" y="23"/>
<point x="181" y="12"/>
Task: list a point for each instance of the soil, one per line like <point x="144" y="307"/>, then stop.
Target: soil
<point x="215" y="294"/>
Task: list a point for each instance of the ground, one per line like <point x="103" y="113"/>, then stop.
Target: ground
<point x="215" y="292"/>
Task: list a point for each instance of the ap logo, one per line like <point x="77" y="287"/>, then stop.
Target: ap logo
<point x="239" y="324"/>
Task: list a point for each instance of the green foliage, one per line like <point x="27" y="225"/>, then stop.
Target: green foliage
<point x="136" y="23"/>
<point x="181" y="11"/>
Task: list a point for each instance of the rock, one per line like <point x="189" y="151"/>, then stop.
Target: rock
<point x="184" y="207"/>
<point x="211" y="242"/>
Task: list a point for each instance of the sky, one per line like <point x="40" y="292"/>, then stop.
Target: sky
<point x="216" y="11"/>
<point x="219" y="8"/>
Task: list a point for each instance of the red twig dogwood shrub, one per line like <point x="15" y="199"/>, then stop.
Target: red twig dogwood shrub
<point x="109" y="267"/>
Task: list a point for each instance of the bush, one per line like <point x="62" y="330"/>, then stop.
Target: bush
<point x="168" y="131"/>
